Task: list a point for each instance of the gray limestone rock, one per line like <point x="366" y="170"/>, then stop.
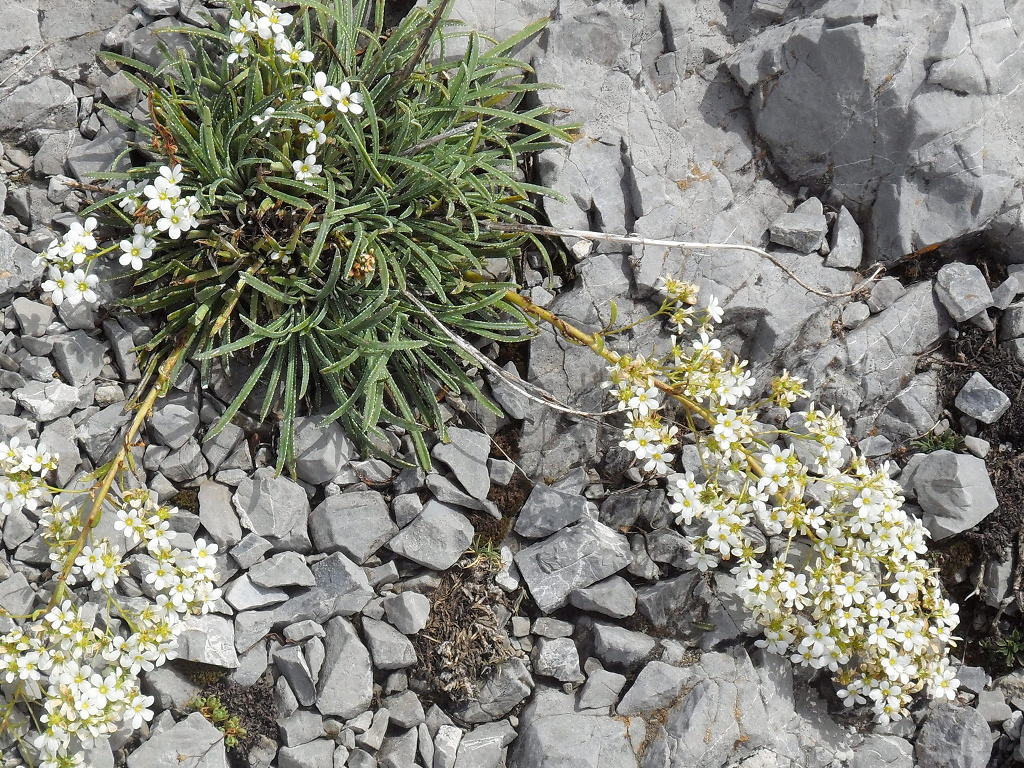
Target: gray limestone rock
<point x="993" y="707"/>
<point x="315" y="754"/>
<point x="484" y="746"/>
<point x="670" y="603"/>
<point x="321" y="452"/>
<point x="436" y="538"/>
<point x="301" y="727"/>
<point x="169" y="687"/>
<point x="962" y="289"/>
<point x="194" y="742"/>
<point x="953" y="736"/>
<point x="220" y="447"/>
<point x="250" y="550"/>
<point x="389" y="647"/>
<point x="846" y="246"/>
<point x="217" y="514"/>
<point x="446" y="746"/>
<point x="242" y="595"/>
<point x="17" y="273"/>
<point x="548" y="510"/>
<point x="345" y="687"/>
<point x="881" y="751"/>
<point x="20" y="30"/>
<point x="557" y="658"/>
<point x="184" y="464"/>
<point x="175" y="419"/>
<point x="405" y="709"/>
<point x="656" y="687"/>
<point x="357" y="524"/>
<point x="291" y="663"/>
<point x="574" y="557"/>
<point x="466" y="456"/>
<point x="854" y="314"/>
<point x="885" y="293"/>
<point x="553" y="734"/>
<point x="803" y="229"/>
<point x="32" y="316"/>
<point x="954" y="490"/>
<point x="285" y="569"/>
<point x="398" y="751"/>
<point x="47" y="402"/>
<point x="982" y="401"/>
<point x="601" y="690"/>
<point x="88" y="157"/>
<point x="100" y="433"/>
<point x="619" y="647"/>
<point x="43" y="102"/>
<point x="275" y="508"/>
<point x="734" y="707"/>
<point x="503" y="688"/>
<point x="122" y="346"/>
<point x="923" y="101"/>
<point x="208" y="639"/>
<point x="77" y="357"/>
<point x="408" y="612"/>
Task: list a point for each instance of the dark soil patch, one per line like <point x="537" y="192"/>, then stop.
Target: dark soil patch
<point x="978" y="350"/>
<point x="508" y="498"/>
<point x="254" y="705"/>
<point x="926" y="262"/>
<point x="998" y="537"/>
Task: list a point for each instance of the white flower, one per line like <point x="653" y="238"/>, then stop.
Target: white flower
<point x="204" y="554"/>
<point x="134" y="252"/>
<point x="320" y="91"/>
<point x="245" y="25"/>
<point x="292" y="53"/>
<point x="130" y="201"/>
<point x="137" y="712"/>
<point x="714" y="310"/>
<point x="174" y="221"/>
<point x="239" y="44"/>
<point x="161" y="193"/>
<point x="173" y="175"/>
<point x="57" y="285"/>
<point x="261" y="119"/>
<point x="81" y="287"/>
<point x="305" y="169"/>
<point x="316" y="135"/>
<point x="644" y="400"/>
<point x="83" y="233"/>
<point x="348" y="101"/>
<point x="272" y="21"/>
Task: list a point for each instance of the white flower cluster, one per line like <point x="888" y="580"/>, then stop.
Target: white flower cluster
<point x="67" y="260"/>
<point x="176" y="213"/>
<point x="70" y="258"/>
<point x="827" y="560"/>
<point x="73" y="668"/>
<point x="265" y="27"/>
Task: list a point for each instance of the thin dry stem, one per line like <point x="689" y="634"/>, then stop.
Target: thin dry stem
<point x="583" y="234"/>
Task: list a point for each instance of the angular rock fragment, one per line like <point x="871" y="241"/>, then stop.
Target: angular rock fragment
<point x="955" y="492"/>
<point x="574" y="557"/>
<point x="357" y="524"/>
<point x="980" y="400"/>
<point x="962" y="289"/>
<point x="436" y="538"/>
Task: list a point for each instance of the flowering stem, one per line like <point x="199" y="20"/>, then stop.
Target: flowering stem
<point x="114" y="468"/>
<point x="144" y="408"/>
<point x="596" y="344"/>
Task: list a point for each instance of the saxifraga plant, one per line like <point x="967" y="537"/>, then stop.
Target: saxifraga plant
<point x="333" y="170"/>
